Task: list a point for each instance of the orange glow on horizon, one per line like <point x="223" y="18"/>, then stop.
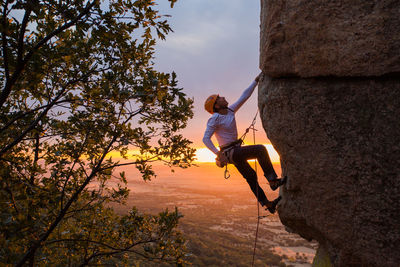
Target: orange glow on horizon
<point x="205" y="155"/>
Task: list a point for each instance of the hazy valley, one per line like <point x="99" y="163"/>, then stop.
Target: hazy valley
<point x="220" y="217"/>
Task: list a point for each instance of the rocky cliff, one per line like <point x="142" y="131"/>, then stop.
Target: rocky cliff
<point x="330" y="104"/>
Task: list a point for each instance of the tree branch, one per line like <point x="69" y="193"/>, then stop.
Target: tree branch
<point x="36" y="158"/>
<point x="36" y="121"/>
<point x="7" y="188"/>
<point x="56" y="103"/>
<point x="20" y="44"/>
<point x="31" y="251"/>
<point x="70" y="172"/>
<point x="152" y="159"/>
<point x="4" y="40"/>
<point x="129" y="250"/>
<point x="21" y="65"/>
<point x="120" y="250"/>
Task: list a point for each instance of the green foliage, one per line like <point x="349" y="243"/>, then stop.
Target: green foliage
<point x="77" y="83"/>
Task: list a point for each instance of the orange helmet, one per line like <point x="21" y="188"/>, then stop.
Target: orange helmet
<point x="209" y="104"/>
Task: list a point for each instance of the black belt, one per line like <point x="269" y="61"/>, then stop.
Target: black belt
<point x="231" y="144"/>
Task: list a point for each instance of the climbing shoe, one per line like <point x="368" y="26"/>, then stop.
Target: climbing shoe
<point x="274" y="184"/>
<point x="271" y="205"/>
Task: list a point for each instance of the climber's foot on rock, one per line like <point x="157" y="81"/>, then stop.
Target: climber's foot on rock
<point x="274" y="184"/>
<point x="271" y="205"/>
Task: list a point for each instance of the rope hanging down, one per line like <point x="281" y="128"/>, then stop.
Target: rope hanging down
<point x="227" y="175"/>
<point x="258" y="203"/>
<point x="255" y="168"/>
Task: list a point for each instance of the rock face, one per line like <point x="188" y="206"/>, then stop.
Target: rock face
<point x="323" y="38"/>
<point x="330" y="104"/>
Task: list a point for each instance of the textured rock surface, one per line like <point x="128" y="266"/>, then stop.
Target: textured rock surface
<point x="323" y="38"/>
<point x="339" y="141"/>
<point x="338" y="135"/>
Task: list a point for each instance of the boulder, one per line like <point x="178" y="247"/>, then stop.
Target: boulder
<point x="339" y="144"/>
<point x="329" y="101"/>
<point x="330" y="38"/>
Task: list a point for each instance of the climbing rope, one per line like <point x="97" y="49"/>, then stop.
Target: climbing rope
<point x="227" y="175"/>
<point x="251" y="127"/>
<point x="258" y="203"/>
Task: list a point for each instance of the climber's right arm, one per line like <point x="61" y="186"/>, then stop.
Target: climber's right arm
<point x="210" y="130"/>
<point x="245" y="95"/>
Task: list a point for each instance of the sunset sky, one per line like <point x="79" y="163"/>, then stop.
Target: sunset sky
<point x="214" y="49"/>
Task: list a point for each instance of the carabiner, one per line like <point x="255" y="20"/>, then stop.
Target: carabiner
<point x="226" y="173"/>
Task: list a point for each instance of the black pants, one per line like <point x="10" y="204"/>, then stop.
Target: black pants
<point x="240" y="156"/>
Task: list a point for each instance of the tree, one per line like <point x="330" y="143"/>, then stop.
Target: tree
<point x="77" y="82"/>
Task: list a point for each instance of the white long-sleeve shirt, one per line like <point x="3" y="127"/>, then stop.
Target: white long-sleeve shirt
<point x="224" y="126"/>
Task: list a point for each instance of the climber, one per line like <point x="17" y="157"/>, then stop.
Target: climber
<point x="222" y="123"/>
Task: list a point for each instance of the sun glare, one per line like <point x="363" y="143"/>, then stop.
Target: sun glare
<point x="202" y="154"/>
<point x="272" y="153"/>
<point x="205" y="155"/>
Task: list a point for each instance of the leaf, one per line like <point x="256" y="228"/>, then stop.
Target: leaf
<point x="79" y="100"/>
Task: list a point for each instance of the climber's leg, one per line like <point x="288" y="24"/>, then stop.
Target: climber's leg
<point x="274" y="184"/>
<point x="265" y="162"/>
<point x="251" y="177"/>
<point x="272" y="207"/>
<point x="260" y="153"/>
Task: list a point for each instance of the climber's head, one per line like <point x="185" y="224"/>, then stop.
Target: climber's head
<point x="210" y="102"/>
<point x="215" y="103"/>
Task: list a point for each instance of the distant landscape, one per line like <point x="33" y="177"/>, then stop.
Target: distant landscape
<point x="220" y="217"/>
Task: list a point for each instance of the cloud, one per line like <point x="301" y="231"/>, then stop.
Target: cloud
<point x="203" y="25"/>
<point x="214" y="48"/>
<point x="201" y="38"/>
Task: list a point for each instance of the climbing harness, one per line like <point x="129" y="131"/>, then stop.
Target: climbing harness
<point x="228" y="149"/>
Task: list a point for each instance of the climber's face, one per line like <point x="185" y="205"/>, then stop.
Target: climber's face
<point x="221" y="103"/>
